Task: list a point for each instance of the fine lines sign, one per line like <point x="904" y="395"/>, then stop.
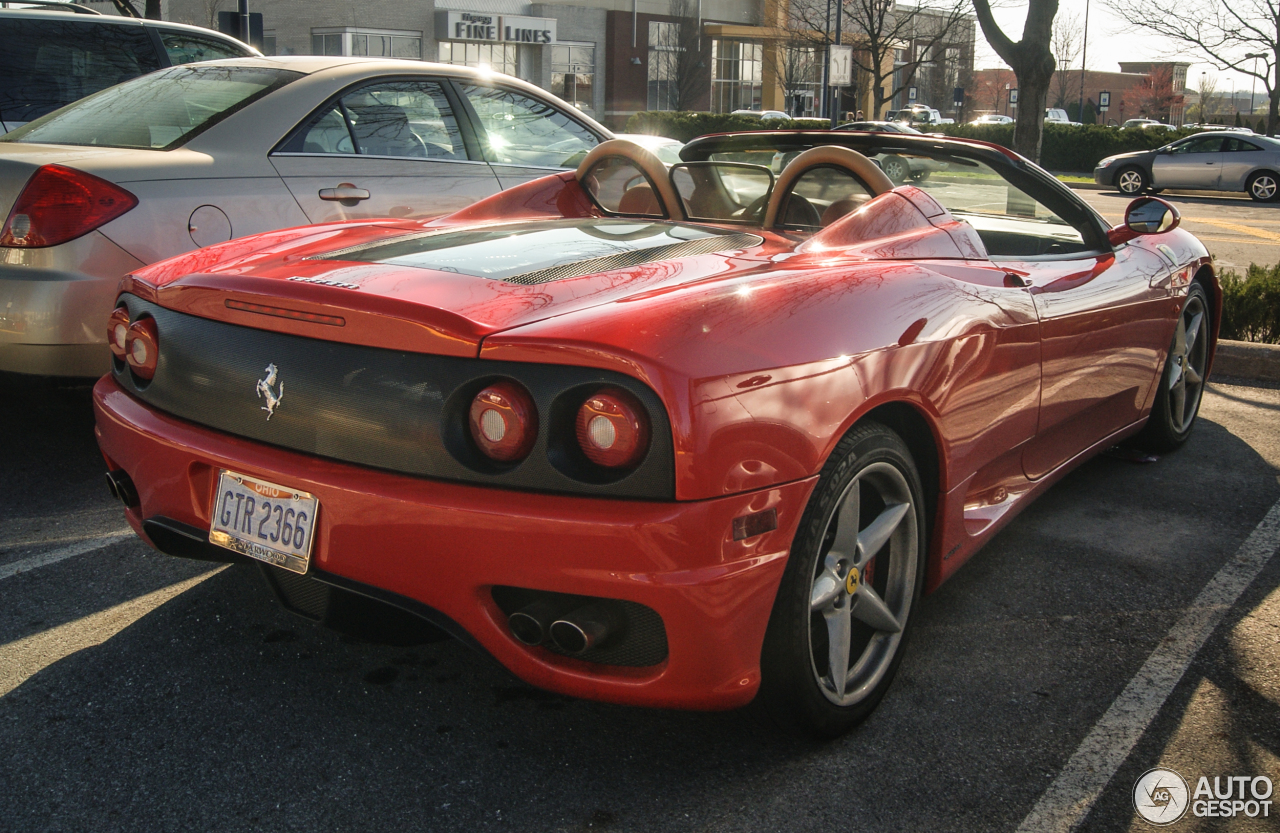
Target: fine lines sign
<point x="482" y="26"/>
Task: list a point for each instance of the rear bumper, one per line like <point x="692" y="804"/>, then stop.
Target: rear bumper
<point x="54" y="305"/>
<point x="446" y="545"/>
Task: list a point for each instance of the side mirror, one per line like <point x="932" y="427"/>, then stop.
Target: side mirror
<point x="1145" y="215"/>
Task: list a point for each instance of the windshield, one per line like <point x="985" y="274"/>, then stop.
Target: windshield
<point x="159" y="111"/>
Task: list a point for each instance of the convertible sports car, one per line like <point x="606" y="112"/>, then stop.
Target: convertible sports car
<point x="672" y="437"/>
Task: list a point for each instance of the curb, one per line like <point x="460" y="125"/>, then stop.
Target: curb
<point x="1246" y="360"/>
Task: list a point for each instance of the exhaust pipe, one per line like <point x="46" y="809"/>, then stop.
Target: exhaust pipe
<point x="587" y="627"/>
<point x="122" y="488"/>
<point x="531" y="624"/>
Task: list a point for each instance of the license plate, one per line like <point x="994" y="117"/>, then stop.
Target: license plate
<point x="262" y="520"/>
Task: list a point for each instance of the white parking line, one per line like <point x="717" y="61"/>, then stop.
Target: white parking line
<point x="54" y="556"/>
<point x="1068" y="799"/>
<point x="21" y="660"/>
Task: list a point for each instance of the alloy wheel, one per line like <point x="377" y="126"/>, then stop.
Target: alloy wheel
<point x="1130" y="182"/>
<point x="1185" y="378"/>
<point x="1263" y="187"/>
<point x="863" y="585"/>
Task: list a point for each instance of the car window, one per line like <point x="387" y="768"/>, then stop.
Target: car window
<point x="184" y="48"/>
<point x="819" y="197"/>
<point x="159" y="111"/>
<point x="1203" y="144"/>
<point x="410" y="119"/>
<point x="619" y="187"/>
<point x="519" y="130"/>
<point x="1237" y="145"/>
<point x="325" y="132"/>
<point x="47" y="64"/>
<point x="723" y="192"/>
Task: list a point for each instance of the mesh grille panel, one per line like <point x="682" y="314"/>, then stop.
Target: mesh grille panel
<point x="304" y="596"/>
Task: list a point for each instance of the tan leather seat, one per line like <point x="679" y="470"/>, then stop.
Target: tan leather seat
<point x="640" y="199"/>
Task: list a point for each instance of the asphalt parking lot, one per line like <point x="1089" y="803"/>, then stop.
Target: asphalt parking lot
<point x="1236" y="230"/>
<point x="141" y="692"/>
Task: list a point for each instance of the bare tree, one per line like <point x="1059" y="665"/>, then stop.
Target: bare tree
<point x="1032" y="62"/>
<point x="795" y="51"/>
<point x="1206" y="92"/>
<point x="1067" y="43"/>
<point x="677" y="65"/>
<point x="1243" y="35"/>
<point x="892" y="43"/>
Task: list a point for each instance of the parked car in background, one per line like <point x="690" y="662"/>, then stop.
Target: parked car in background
<point x="1055" y="115"/>
<point x="52" y="58"/>
<point x="668" y="150"/>
<point x="898" y="168"/>
<point x="1219" y="161"/>
<point x="195" y="155"/>
<point x="918" y="115"/>
<point x="992" y="118"/>
<point x="673" y="438"/>
<point x="763" y="115"/>
<point x="1145" y="124"/>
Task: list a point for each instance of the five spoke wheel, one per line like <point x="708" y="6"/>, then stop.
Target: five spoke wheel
<point x="855" y="573"/>
<point x="857" y="613"/>
<point x="1185" y="376"/>
<point x="1178" y="400"/>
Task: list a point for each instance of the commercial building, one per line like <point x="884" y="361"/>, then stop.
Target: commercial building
<point x="611" y="58"/>
<point x="991" y="87"/>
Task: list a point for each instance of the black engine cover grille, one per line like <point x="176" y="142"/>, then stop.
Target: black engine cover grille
<point x="392" y="410"/>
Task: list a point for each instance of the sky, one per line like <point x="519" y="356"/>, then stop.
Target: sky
<point x="1110" y="43"/>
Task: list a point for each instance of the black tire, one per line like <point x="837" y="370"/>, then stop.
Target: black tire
<point x="882" y="560"/>
<point x="1132" y="181"/>
<point x="1263" y="186"/>
<point x="896" y="168"/>
<point x="920" y="176"/>
<point x="1181" y="383"/>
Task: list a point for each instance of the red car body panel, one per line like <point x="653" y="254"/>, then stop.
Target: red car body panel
<point x="453" y="542"/>
<point x="1015" y="372"/>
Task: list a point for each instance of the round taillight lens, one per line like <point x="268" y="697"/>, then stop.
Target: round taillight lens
<point x="142" y="347"/>
<point x="504" y="421"/>
<point x="613" y="428"/>
<point x="118" y="331"/>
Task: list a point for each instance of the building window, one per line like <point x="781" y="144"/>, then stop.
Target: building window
<point x="377" y="43"/>
<point x="801" y="73"/>
<point x="269" y="42"/>
<point x="664" y="62"/>
<point x="498" y="57"/>
<point x="736" y="82"/>
<point x="573" y="74"/>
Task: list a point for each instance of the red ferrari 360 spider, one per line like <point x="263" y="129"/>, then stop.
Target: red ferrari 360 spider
<point x="665" y="436"/>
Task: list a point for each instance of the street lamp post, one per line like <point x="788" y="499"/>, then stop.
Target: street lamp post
<point x="1083" y="60"/>
<point x="1253" y="84"/>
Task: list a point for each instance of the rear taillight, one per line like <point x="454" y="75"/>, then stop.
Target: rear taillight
<point x="613" y="428"/>
<point x="142" y="347"/>
<point x="504" y="422"/>
<point x="60" y="204"/>
<point x="117" y="332"/>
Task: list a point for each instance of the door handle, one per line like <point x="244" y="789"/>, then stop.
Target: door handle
<point x="1013" y="280"/>
<point x="344" y="191"/>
